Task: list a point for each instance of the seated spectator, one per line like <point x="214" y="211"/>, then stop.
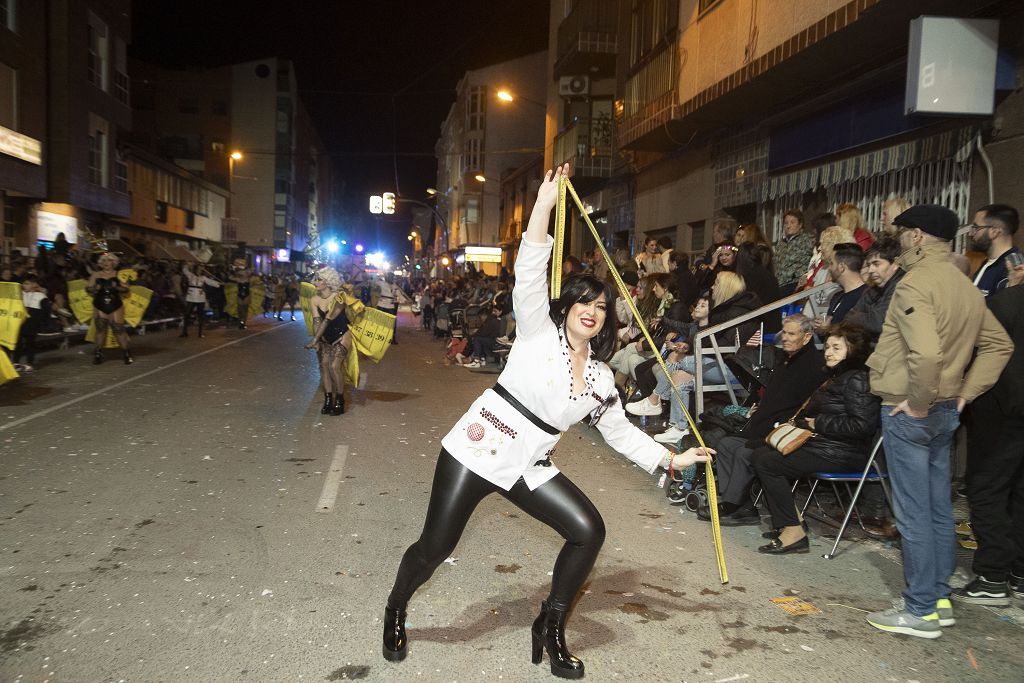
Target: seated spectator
<point x="792" y="252"/>
<point x="483" y="341"/>
<point x="890" y="209"/>
<point x="818" y="274"/>
<point x="790" y="384"/>
<point x="722" y="260"/>
<point x="843" y="415"/>
<point x="843" y="269"/>
<point x="722" y="234"/>
<point x="651" y="306"/>
<point x="882" y="273"/>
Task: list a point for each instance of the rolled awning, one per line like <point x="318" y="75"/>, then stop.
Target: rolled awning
<point x="955" y="144"/>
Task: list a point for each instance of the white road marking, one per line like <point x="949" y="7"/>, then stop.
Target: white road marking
<point x="333" y="481"/>
<point x="136" y="378"/>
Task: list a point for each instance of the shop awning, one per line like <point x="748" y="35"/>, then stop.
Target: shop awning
<point x="955" y="144"/>
<point x="159" y="251"/>
<point x="181" y="253"/>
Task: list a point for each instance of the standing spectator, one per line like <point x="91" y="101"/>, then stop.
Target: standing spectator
<point x="753" y="264"/>
<point x="852" y="219"/>
<point x="599" y="266"/>
<point x="992" y="234"/>
<point x="882" y="273"/>
<point x="792" y="252"/>
<point x="936" y="321"/>
<point x="722" y="234"/>
<point x="649" y="260"/>
<point x="844" y="269"/>
<point x="995" y="468"/>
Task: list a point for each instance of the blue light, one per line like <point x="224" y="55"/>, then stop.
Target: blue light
<point x="332" y="247"/>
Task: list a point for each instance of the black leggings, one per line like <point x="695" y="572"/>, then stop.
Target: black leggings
<point x="199" y="308"/>
<point x="456" y="493"/>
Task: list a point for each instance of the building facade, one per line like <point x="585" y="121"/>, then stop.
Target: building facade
<point x="484" y="137"/>
<point x="745" y="109"/>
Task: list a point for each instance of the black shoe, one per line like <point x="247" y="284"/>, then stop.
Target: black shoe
<point x="395" y="643"/>
<point x="338" y="406"/>
<point x="776" y="547"/>
<point x="97" y="357"/>
<point x="241" y="325"/>
<point x="981" y="591"/>
<point x="328" y="400"/>
<point x="745" y="516"/>
<point x="128" y="360"/>
<point x="549" y="634"/>
<point x="1016" y="585"/>
<point x="724" y="509"/>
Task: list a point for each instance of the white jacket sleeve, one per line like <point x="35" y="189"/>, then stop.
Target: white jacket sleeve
<point x="627" y="439"/>
<point x="530" y="295"/>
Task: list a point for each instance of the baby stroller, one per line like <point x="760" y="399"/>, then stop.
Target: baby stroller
<point x="689" y="487"/>
<point x="442" y="321"/>
<point x="457" y="320"/>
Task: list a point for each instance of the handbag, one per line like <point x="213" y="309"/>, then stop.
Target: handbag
<point x="787" y="437"/>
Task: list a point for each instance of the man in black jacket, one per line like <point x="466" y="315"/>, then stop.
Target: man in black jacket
<point x="882" y="273"/>
<point x="790" y="385"/>
<point x="995" y="467"/>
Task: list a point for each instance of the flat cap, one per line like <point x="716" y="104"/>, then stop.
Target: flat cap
<point x="933" y="219"/>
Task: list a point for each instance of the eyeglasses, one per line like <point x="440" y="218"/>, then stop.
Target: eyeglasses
<point x="974" y="227"/>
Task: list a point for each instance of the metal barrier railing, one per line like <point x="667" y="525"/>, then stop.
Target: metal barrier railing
<point x="700" y="351"/>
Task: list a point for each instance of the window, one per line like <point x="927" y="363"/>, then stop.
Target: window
<point x="8" y="97"/>
<point x="475" y="106"/>
<point x="471" y="158"/>
<point x="697" y="236"/>
<point x="8" y="215"/>
<point x="190" y="220"/>
<point x="120" y="71"/>
<point x="7" y="15"/>
<point x="99" y="134"/>
<point x="120" y="175"/>
<point x="188" y="105"/>
<point x="161" y="211"/>
<point x="96" y="64"/>
<point x="654" y="25"/>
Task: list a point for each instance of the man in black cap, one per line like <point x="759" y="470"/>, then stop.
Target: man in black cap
<point x="935" y="322"/>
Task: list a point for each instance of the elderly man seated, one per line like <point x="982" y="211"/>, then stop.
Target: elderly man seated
<point x="792" y="382"/>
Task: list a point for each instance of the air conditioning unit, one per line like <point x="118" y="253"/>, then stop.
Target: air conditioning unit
<point x="574" y="86"/>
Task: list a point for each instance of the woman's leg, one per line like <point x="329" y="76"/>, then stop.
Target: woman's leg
<point x="323" y="356"/>
<point x="102" y="324"/>
<point x="561" y="505"/>
<point x="200" y="316"/>
<point x="117" y="325"/>
<point x="337" y="355"/>
<point x="455" y="494"/>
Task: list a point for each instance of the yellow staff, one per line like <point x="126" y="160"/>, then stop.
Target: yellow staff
<point x="564" y="187"/>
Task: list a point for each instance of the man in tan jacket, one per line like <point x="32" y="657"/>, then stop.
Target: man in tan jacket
<point x="936" y="321"/>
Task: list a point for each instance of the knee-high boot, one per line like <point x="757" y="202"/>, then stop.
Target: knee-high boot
<point x="549" y="634"/>
<point x="328" y="402"/>
<point x="395" y="643"/>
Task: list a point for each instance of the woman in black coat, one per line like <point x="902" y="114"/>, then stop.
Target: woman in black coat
<point x="843" y="414"/>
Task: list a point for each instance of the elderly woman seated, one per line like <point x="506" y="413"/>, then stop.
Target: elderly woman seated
<point x="843" y="416"/>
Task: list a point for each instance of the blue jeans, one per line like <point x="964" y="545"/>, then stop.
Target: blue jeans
<point x="712" y="375"/>
<point x="917" y="452"/>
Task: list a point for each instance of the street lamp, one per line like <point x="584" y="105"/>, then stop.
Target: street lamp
<point x="480" y="177"/>
<point x="508" y="98"/>
<point x="234" y="156"/>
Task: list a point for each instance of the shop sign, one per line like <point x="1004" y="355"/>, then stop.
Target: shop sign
<point x="49" y="225"/>
<point x="21" y="146"/>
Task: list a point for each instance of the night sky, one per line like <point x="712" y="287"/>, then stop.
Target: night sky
<point x="353" y="60"/>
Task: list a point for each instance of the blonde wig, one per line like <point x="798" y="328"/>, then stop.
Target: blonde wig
<point x="330" y="277"/>
<point x="830" y="237"/>
<point x="108" y="257"/>
<point x="727" y="285"/>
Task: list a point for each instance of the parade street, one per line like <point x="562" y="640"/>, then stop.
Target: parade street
<point x="193" y="517"/>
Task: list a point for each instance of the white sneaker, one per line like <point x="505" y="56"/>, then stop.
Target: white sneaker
<point x="475" y="363"/>
<point x="671" y="435"/>
<point x="643" y="407"/>
<point x="504" y="341"/>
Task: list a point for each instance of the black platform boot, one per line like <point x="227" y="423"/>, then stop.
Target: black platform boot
<point x="128" y="360"/>
<point x="97" y="357"/>
<point x="549" y="634"/>
<point x="395" y="642"/>
<point x="328" y="400"/>
<point x="338" y="406"/>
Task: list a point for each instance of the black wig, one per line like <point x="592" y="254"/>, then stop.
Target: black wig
<point x="582" y="289"/>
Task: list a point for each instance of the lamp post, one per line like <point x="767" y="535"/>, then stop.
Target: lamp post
<point x="234" y="156"/>
<point x="508" y="97"/>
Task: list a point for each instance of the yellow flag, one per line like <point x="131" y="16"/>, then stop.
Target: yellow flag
<point x="231" y="299"/>
<point x="257" y="292"/>
<point x="12" y="314"/>
<point x="371" y="336"/>
<point x="135" y="305"/>
<point x="126" y="275"/>
<point x="7" y="371"/>
<point x="79" y="300"/>
<point x="352" y="367"/>
<point x="306" y="292"/>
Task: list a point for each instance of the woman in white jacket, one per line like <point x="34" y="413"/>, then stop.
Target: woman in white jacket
<point x="555" y="376"/>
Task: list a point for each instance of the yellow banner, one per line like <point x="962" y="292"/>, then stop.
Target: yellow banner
<point x="79" y="300"/>
<point x="231" y="299"/>
<point x="12" y="315"/>
<point x="255" y="298"/>
<point x="371" y="336"/>
<point x="352" y="368"/>
<point x="7" y="371"/>
<point x="257" y="292"/>
<point x="126" y="275"/>
<point x="306" y="292"/>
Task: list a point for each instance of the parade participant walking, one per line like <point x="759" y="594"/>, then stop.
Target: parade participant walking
<point x="107" y="306"/>
<point x="195" y="297"/>
<point x="241" y="276"/>
<point x="556" y="375"/>
<point x="331" y="338"/>
<point x="388" y="302"/>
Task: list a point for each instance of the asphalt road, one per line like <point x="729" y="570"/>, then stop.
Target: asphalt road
<point x="193" y="517"/>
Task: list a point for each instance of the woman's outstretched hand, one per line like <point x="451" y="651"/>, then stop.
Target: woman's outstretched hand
<point x="691" y="456"/>
<point x="547" y="193"/>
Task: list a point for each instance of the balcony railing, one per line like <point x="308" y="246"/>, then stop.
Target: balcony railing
<point x="651" y="96"/>
<point x="588" y="38"/>
<point x="588" y="145"/>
